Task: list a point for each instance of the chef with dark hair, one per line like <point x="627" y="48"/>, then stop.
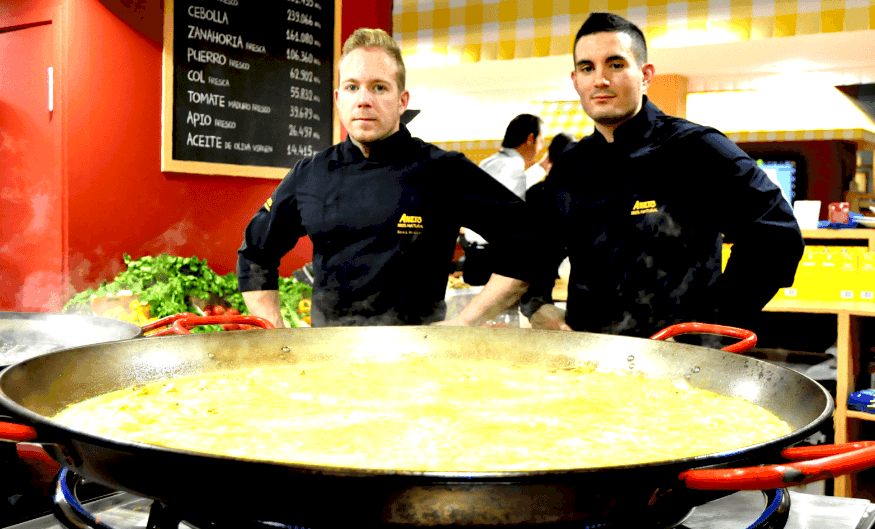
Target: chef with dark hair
<point x="523" y="140"/>
<point x="641" y="208"/>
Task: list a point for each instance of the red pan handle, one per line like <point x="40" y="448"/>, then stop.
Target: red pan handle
<point x="16" y="433"/>
<point x="182" y="325"/>
<point x="193" y="320"/>
<point x="35" y="454"/>
<point x="815" y="463"/>
<point x="166" y="321"/>
<point x="748" y="338"/>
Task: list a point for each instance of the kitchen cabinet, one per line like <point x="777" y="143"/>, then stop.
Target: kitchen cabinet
<point x="32" y="195"/>
<point x="849" y="316"/>
<point x="843" y="237"/>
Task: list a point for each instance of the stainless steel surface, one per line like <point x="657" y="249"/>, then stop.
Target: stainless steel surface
<point x="24" y="335"/>
<point x="120" y="511"/>
<point x="807" y="511"/>
<point x="35" y="385"/>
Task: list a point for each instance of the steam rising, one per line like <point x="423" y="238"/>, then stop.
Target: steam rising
<point x="662" y="225"/>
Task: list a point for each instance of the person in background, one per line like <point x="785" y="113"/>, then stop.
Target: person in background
<point x="522" y="142"/>
<point x="539" y="171"/>
<point x="642" y="205"/>
<point x="383" y="210"/>
<point x="535" y="193"/>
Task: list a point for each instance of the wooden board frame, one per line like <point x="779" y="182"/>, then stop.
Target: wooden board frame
<point x="171" y="165"/>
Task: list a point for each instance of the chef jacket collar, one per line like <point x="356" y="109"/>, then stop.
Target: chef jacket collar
<point x="633" y="132"/>
<point x="386" y="150"/>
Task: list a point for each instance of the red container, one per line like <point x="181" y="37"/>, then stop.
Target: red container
<point x="838" y="212"/>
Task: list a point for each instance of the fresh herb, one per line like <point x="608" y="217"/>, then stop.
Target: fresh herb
<point x="292" y="292"/>
<point x="169" y="283"/>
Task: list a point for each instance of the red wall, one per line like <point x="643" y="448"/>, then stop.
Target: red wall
<point x="108" y="97"/>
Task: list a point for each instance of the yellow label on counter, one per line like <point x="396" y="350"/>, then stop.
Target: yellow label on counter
<point x="866" y="276"/>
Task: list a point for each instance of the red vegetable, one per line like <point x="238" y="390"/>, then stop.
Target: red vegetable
<point x="239" y="326"/>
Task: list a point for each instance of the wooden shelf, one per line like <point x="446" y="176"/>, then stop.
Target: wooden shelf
<point x="853" y="308"/>
<point x="849" y="316"/>
<point x="863" y="416"/>
<point x="850" y="234"/>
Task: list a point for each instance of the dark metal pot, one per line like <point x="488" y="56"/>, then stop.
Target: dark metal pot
<point x="327" y="496"/>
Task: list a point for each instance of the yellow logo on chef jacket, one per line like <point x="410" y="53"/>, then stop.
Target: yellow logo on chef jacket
<point x="268" y="204"/>
<point x="409" y="224"/>
<point x="641" y="208"/>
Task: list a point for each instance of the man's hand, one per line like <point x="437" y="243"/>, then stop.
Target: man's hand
<point x="498" y="293"/>
<point x="265" y="304"/>
<point x="452" y="322"/>
<point x="545" y="162"/>
<point x="549" y="317"/>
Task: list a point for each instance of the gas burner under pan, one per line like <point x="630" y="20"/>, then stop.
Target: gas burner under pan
<point x="736" y="511"/>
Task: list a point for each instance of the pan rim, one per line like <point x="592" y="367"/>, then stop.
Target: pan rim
<point x="45" y="423"/>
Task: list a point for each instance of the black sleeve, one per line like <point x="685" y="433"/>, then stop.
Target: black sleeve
<point x="271" y="234"/>
<point x="540" y="291"/>
<point x="754" y="216"/>
<point x="516" y="235"/>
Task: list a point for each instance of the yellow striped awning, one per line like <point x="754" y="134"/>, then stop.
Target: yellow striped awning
<point x="455" y="31"/>
<point x="864" y="139"/>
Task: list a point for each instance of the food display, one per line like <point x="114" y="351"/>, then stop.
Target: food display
<point x="455" y="281"/>
<point x="154" y="287"/>
<point x="122" y="306"/>
<point x="421" y="413"/>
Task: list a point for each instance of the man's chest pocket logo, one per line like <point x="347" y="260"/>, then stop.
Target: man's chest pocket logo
<point x="642" y="207"/>
<point x="409" y="225"/>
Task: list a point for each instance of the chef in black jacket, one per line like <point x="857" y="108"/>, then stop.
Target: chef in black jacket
<point x="641" y="208"/>
<point x="383" y="210"/>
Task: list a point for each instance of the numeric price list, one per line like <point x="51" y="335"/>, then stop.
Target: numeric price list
<point x="252" y="80"/>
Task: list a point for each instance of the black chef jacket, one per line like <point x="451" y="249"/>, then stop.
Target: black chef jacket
<point x="384" y="229"/>
<point x="642" y="220"/>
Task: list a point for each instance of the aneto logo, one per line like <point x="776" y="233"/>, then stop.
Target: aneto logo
<point x="409" y="224"/>
<point x="405" y="218"/>
<point x="641" y="208"/>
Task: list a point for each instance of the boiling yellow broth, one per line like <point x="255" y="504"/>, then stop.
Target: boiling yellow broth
<point x="430" y="415"/>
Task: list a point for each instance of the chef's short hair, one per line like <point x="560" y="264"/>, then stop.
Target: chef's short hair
<point x="377" y="38"/>
<point x="609" y="22"/>
<point x="519" y="128"/>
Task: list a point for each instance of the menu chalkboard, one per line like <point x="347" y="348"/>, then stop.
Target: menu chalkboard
<point x="248" y="84"/>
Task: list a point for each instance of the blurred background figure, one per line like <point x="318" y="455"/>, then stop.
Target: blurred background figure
<point x="537" y="172"/>
<point x="523" y="140"/>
